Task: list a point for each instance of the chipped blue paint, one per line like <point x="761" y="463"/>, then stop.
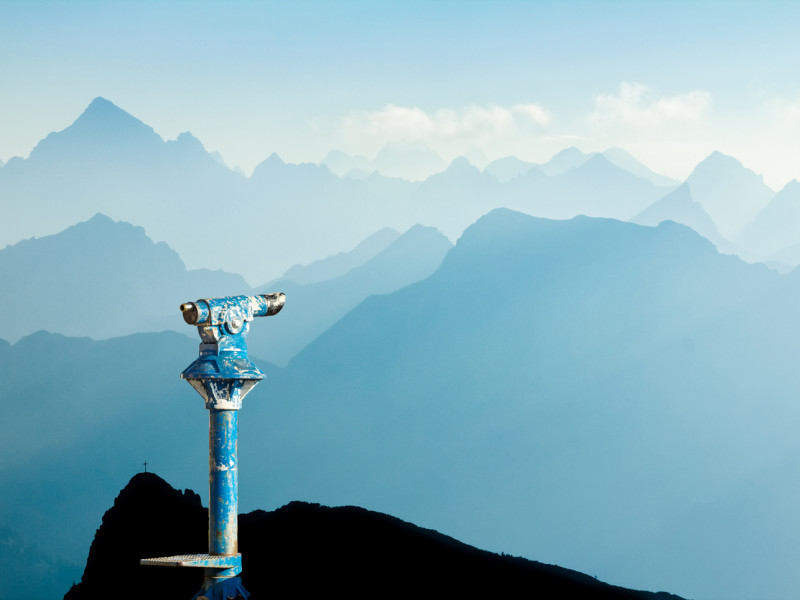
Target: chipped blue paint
<point x="222" y="375"/>
<point x="223" y="482"/>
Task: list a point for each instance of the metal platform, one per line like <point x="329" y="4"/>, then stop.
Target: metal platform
<point x="209" y="561"/>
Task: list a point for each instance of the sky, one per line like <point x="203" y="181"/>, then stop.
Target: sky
<point x="670" y="82"/>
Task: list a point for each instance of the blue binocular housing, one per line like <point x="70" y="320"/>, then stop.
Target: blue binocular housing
<point x="222" y="373"/>
<point x="231" y="311"/>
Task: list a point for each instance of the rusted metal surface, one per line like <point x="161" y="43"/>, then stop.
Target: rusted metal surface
<point x="230" y="565"/>
<point x="223" y="482"/>
<point x="222" y="375"/>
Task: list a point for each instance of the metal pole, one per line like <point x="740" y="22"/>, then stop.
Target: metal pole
<point x="222" y="375"/>
<point x="222" y="482"/>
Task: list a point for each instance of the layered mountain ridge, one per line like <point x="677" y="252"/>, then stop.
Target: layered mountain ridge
<point x="498" y="401"/>
<point x="615" y="398"/>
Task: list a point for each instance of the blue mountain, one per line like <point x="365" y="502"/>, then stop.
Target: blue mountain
<point x="730" y="193"/>
<point x="613" y="398"/>
<point x="314" y="307"/>
<point x="594" y="187"/>
<point x="109" y="161"/>
<point x="104" y="134"/>
<point x="508" y="168"/>
<point x="342" y="262"/>
<point x="99" y="278"/>
<point x="777" y="225"/>
<point x="569" y="390"/>
<point x="626" y="161"/>
<point x="563" y="161"/>
<point x="680" y="207"/>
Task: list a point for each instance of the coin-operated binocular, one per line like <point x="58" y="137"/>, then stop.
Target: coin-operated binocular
<point x="222" y="375"/>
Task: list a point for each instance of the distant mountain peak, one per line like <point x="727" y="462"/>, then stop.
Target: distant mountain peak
<point x="792" y="186"/>
<point x="680" y="207"/>
<point x="508" y="168"/>
<point x="100" y="218"/>
<point x="729" y="192"/>
<point x="775" y="228"/>
<point x="565" y="160"/>
<point x="116" y="279"/>
<point x="597" y="160"/>
<point x="625" y="160"/>
<point x="101" y="104"/>
<point x="718" y="158"/>
<point x="104" y="112"/>
<point x="102" y="130"/>
<point x="597" y="165"/>
<point x="460" y="163"/>
<point x="570" y="151"/>
<point x="717" y="155"/>
<point x="717" y="161"/>
<point x="187" y="137"/>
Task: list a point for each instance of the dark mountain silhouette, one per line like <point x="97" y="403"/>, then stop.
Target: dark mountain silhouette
<point x="99" y="278"/>
<point x="308" y="550"/>
<point x="149" y="519"/>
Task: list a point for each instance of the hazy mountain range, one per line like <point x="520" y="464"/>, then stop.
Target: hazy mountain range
<point x="110" y="279"/>
<point x="614" y="397"/>
<point x="110" y="162"/>
<point x="318" y="305"/>
<point x="99" y="279"/>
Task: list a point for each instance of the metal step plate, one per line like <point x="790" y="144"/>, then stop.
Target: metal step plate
<point x="210" y="561"/>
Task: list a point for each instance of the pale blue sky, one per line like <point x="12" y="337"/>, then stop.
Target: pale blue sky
<point x="668" y="81"/>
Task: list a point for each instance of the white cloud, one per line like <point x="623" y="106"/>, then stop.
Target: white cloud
<point x="469" y="125"/>
<point x="637" y="106"/>
<point x="785" y="112"/>
<point x="534" y="112"/>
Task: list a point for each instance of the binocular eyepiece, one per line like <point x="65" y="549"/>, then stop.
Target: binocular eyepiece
<point x="231" y="312"/>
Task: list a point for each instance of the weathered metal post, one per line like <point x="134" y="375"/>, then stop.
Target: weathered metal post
<point x="222" y="375"/>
